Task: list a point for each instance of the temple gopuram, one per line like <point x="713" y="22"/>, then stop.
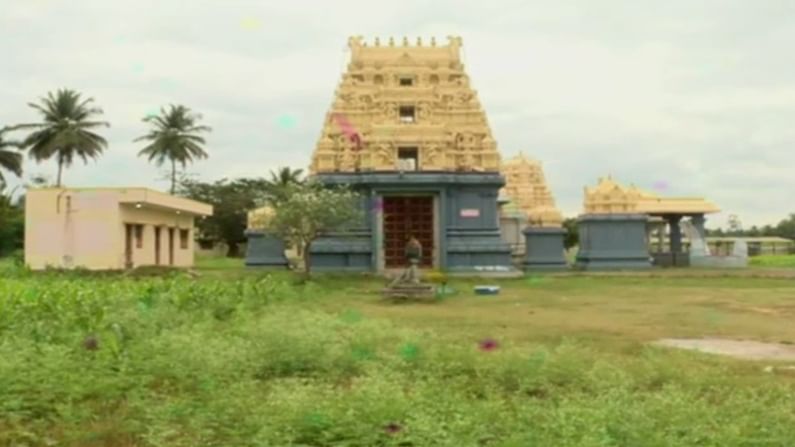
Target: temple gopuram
<point x="406" y="130"/>
<point x="527" y="190"/>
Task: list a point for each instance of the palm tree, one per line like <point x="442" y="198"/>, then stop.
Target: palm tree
<point x="9" y="160"/>
<point x="281" y="179"/>
<point x="173" y="137"/>
<point x="65" y="132"/>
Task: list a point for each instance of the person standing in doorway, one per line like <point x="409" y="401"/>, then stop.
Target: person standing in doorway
<point x="413" y="255"/>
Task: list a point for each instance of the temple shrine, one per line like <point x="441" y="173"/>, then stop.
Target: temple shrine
<point x="658" y="214"/>
<point x="527" y="190"/>
<point x="406" y="130"/>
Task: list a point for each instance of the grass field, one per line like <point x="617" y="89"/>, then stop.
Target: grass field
<point x="241" y="358"/>
<point x="773" y="261"/>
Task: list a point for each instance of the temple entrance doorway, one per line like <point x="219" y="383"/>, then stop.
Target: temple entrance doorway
<point x="404" y="217"/>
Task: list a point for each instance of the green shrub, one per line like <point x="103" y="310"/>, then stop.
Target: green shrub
<point x="170" y="360"/>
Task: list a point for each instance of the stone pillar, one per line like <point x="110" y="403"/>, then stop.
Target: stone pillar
<point x="264" y="250"/>
<point x="544" y="248"/>
<point x="612" y="242"/>
<point x="676" y="233"/>
<point x="698" y="223"/>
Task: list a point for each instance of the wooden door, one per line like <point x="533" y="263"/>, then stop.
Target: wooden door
<point x="406" y="216"/>
<point x="170" y="246"/>
<point x="157" y="245"/>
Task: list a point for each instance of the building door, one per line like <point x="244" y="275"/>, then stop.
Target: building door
<point x="128" y="246"/>
<point x="406" y="216"/>
<point x="157" y="245"/>
<point x="170" y="246"/>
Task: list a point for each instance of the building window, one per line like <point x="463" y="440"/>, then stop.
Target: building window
<point x="407" y="114"/>
<point x="139" y="236"/>
<point x="378" y="79"/>
<point x="406" y="82"/>
<point x="407" y="158"/>
<point x="183" y="239"/>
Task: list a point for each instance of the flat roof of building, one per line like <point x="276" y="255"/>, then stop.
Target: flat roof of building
<point x="748" y="239"/>
<point x="675" y="205"/>
<point x="146" y="196"/>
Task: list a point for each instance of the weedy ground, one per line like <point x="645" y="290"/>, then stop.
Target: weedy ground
<point x="246" y="358"/>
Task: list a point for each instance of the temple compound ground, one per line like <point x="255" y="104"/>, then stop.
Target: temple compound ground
<point x="237" y="357"/>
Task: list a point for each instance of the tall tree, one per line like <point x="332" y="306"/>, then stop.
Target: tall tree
<point x="279" y="180"/>
<point x="572" y="236"/>
<point x="174" y="137"/>
<point x="231" y="201"/>
<point x="9" y="160"/>
<point x="12" y="222"/>
<point x="65" y="132"/>
<point x="786" y="228"/>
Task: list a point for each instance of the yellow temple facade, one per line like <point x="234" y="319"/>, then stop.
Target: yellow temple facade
<point x="405" y="107"/>
<point x="610" y="197"/>
<point x="526" y="187"/>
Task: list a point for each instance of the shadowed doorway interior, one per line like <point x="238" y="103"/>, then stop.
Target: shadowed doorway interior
<point x="406" y="216"/>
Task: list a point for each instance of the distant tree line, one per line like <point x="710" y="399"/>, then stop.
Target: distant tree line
<point x="785" y="228"/>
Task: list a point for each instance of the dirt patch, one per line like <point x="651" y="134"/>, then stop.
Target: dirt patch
<point x="743" y="349"/>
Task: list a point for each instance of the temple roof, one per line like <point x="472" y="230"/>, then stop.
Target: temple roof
<point x="676" y="205"/>
<point x="519" y="160"/>
<point x="403" y="52"/>
<point x="608" y="196"/>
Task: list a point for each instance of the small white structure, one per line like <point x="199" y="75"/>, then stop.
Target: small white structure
<point x="700" y="255"/>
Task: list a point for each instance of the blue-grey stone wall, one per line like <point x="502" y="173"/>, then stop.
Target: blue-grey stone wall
<point x="475" y="242"/>
<point x="612" y="242"/>
<point x="350" y="250"/>
<point x="544" y="248"/>
<point x="466" y="241"/>
<point x="264" y="250"/>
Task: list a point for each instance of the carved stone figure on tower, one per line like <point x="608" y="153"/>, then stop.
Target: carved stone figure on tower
<point x="432" y="157"/>
<point x="386" y="155"/>
<point x="347" y="160"/>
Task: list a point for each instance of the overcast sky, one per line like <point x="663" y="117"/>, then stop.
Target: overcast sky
<point x="695" y="96"/>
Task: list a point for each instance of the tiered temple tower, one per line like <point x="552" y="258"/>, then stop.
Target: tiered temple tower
<point x="406" y="130"/>
<point x="405" y="107"/>
<point x="527" y="188"/>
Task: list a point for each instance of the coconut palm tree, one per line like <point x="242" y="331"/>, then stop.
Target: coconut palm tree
<point x="285" y="176"/>
<point x="9" y="160"/>
<point x="174" y="137"/>
<point x="65" y="132"/>
<point x="280" y="179"/>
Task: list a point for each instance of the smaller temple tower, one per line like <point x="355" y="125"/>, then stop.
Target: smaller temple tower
<point x="527" y="189"/>
<point x="609" y="197"/>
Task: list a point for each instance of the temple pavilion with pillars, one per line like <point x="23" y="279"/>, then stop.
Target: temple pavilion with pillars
<point x="610" y="197"/>
<point x="407" y="131"/>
